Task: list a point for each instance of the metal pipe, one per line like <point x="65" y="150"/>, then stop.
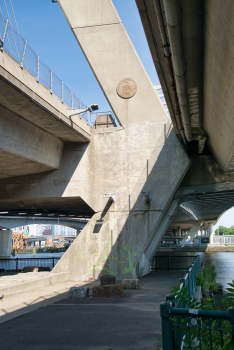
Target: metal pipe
<point x="167" y="54"/>
<point x="174" y="23"/>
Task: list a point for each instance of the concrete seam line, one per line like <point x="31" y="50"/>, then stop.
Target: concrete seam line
<point x="97" y="25"/>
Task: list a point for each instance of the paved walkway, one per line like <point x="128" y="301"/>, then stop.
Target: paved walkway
<point x="57" y="322"/>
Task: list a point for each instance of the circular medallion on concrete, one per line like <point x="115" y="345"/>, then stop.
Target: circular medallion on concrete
<point x="127" y="88"/>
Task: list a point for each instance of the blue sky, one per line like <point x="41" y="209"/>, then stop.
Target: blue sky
<point x="42" y="23"/>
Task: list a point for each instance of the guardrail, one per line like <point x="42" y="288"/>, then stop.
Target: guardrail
<point x="174" y="262"/>
<point x="20" y="263"/>
<point x="194" y="328"/>
<point x="18" y="48"/>
<point x="110" y="121"/>
<point x="202" y="329"/>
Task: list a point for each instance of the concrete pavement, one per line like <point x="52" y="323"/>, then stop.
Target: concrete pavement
<point x="57" y="322"/>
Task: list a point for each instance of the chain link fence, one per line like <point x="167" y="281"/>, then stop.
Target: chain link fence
<point x="21" y="51"/>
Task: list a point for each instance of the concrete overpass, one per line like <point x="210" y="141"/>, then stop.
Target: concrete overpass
<point x="192" y="44"/>
<point x="133" y="179"/>
<point x="10" y="222"/>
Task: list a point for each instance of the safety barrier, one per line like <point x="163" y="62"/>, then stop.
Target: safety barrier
<point x="175" y="262"/>
<point x="194" y="328"/>
<point x="18" y="48"/>
<point x="20" y="263"/>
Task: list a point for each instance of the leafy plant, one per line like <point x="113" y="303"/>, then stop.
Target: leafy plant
<point x="191" y="334"/>
<point x="159" y="346"/>
<point x="141" y="273"/>
<point x="206" y="277"/>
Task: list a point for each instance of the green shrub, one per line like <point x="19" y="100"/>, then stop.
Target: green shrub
<point x="206" y="277"/>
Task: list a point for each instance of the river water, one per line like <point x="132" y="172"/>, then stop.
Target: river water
<point x="223" y="261"/>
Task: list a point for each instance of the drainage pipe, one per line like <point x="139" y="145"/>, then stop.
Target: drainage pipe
<point x="174" y="24"/>
<point x="167" y="54"/>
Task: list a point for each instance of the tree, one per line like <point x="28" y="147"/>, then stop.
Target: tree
<point x="222" y="230"/>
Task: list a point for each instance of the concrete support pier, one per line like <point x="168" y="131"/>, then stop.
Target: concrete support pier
<point x="190" y="235"/>
<point x="5" y="243"/>
<point x="134" y="170"/>
<point x="211" y="232"/>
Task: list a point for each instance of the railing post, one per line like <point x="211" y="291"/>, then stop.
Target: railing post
<point x="38" y="70"/>
<point x="156" y="261"/>
<point x="53" y="261"/>
<point x="4" y="34"/>
<point x="22" y="62"/>
<point x="231" y="313"/>
<point x="166" y="330"/>
<point x="51" y="81"/>
<point x="16" y="265"/>
<point x="62" y="90"/>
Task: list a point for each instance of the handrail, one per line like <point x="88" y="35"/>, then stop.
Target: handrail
<point x="193" y="326"/>
<point x="188" y="281"/>
<point x="17" y="47"/>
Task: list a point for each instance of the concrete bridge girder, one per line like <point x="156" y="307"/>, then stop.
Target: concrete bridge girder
<point x="34" y="124"/>
<point x="13" y="222"/>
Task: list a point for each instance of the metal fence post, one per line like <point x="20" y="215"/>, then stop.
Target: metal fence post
<point x="51" y="81"/>
<point x="16" y="265"/>
<point x="156" y="261"/>
<point x="23" y="56"/>
<point x="231" y="313"/>
<point x="53" y="261"/>
<point x="4" y="34"/>
<point x="38" y="71"/>
<point x="169" y="263"/>
<point x="166" y="330"/>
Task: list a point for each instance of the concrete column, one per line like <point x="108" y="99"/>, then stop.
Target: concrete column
<point x="188" y="239"/>
<point x="5" y="243"/>
<point x="211" y="232"/>
<point x="179" y="231"/>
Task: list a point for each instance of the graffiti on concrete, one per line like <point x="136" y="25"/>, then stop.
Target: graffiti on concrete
<point x="119" y="259"/>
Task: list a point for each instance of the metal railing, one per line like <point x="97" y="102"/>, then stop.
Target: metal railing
<point x="18" y="48"/>
<point x="20" y="263"/>
<point x="168" y="262"/>
<point x="194" y="328"/>
<point x="110" y="121"/>
<point x="203" y="329"/>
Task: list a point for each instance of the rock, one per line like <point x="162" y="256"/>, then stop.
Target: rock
<point x="78" y="292"/>
<point x="107" y="279"/>
<point x="132" y="283"/>
<point x="109" y="291"/>
<point x="30" y="269"/>
<point x="44" y="268"/>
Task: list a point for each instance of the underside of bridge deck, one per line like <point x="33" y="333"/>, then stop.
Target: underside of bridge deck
<point x="192" y="47"/>
<point x="34" y="124"/>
